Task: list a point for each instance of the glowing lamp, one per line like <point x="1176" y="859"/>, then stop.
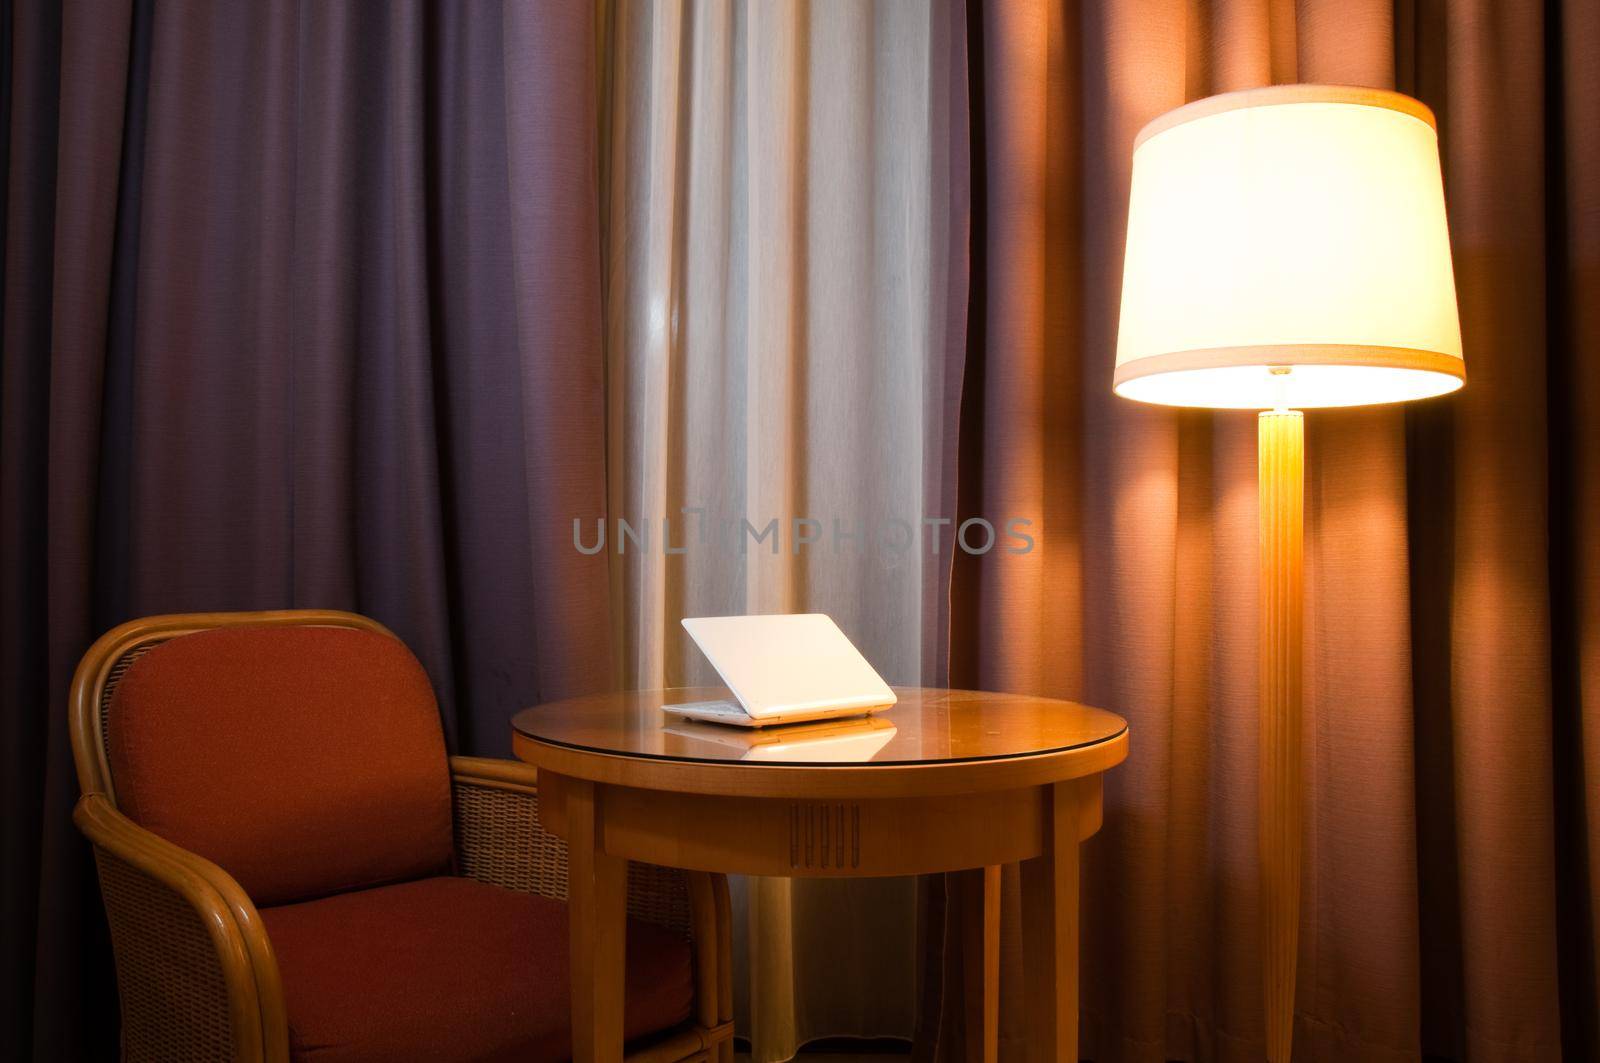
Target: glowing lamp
<point x="1287" y="249"/>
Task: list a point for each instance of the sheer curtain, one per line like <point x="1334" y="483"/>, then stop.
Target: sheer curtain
<point x="784" y="201"/>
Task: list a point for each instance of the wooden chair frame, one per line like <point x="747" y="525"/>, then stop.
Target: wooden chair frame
<point x="196" y="972"/>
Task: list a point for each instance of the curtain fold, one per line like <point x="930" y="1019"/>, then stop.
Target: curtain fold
<point x="785" y="247"/>
<point x="1574" y="386"/>
<point x="1450" y="886"/>
<point x="1509" y="587"/>
<point x="302" y="308"/>
<point x="348" y="305"/>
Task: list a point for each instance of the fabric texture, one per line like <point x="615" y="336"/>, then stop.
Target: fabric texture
<point x="448" y="969"/>
<point x="301" y="308"/>
<point x="1452" y="801"/>
<point x="302" y="305"/>
<point x="304" y="761"/>
<point x="785" y="255"/>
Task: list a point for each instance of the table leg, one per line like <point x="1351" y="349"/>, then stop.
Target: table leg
<point x="978" y="902"/>
<point x="724" y="904"/>
<point x="597" y="886"/>
<point x="1050" y="937"/>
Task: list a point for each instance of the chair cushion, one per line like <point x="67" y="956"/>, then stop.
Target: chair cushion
<point x="304" y="760"/>
<point x="450" y="969"/>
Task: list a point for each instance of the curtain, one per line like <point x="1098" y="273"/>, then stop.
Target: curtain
<point x="301" y="308"/>
<point x="347" y="305"/>
<point x="785" y="271"/>
<point x="1453" y="604"/>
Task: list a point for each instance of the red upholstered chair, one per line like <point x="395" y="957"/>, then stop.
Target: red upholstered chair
<point x="293" y="868"/>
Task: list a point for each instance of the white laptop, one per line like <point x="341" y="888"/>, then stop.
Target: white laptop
<point x="783" y="669"/>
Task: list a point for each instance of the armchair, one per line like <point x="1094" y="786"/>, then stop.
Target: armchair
<point x="254" y="917"/>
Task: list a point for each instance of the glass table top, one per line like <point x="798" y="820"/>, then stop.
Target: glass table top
<point x="925" y="726"/>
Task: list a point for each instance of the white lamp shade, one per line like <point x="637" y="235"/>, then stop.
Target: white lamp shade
<point x="1287" y="247"/>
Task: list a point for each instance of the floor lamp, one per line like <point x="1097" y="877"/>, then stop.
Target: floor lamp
<point x="1287" y="250"/>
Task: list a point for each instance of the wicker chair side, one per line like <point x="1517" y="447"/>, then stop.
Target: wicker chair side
<point x="174" y="995"/>
<point x="660" y="895"/>
<point x="195" y="970"/>
<point x="499" y="839"/>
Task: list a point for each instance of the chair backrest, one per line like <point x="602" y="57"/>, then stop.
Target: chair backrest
<point x="299" y="750"/>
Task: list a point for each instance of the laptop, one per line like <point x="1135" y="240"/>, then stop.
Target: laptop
<point x="782" y="669"/>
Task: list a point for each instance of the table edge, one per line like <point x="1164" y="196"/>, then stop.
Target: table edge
<point x="764" y="779"/>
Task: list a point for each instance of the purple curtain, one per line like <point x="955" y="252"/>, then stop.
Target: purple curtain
<point x="301" y="308"/>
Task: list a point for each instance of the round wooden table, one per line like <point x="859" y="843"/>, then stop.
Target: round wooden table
<point x="945" y="781"/>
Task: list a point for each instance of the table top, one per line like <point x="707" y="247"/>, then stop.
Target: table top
<point x="954" y="730"/>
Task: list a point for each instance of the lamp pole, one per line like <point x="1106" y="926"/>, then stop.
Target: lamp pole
<point x="1281" y="485"/>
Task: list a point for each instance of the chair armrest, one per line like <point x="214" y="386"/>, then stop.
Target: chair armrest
<point x="195" y="970"/>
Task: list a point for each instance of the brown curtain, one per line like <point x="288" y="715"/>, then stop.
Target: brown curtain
<point x="301" y="308"/>
<point x="1453" y="634"/>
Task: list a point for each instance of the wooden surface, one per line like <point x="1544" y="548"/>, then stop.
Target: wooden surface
<point x="1050" y="919"/>
<point x="596" y="888"/>
<point x="976" y="894"/>
<point x="944" y="742"/>
<point x="1281" y="444"/>
<point x="1032" y="799"/>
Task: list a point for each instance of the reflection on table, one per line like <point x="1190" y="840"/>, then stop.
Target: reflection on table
<point x="853" y="741"/>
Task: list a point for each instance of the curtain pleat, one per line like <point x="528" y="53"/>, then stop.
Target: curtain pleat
<point x="302" y="308"/>
<point x="1448" y="905"/>
<point x="348" y="305"/>
<point x="1484" y="592"/>
<point x="785" y="245"/>
<point x="1574" y="387"/>
<point x="70" y="311"/>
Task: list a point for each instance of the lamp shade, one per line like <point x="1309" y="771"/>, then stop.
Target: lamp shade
<point x="1287" y="247"/>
